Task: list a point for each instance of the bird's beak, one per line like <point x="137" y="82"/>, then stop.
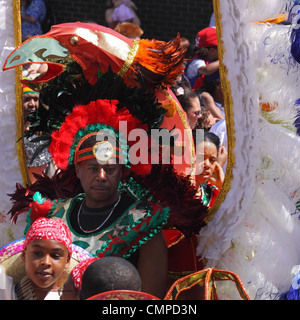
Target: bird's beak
<point x="40" y="50"/>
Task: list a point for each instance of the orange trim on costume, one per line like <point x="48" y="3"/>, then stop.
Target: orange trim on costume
<point x="80" y="143"/>
<point x="91" y="155"/>
<point x="278" y="19"/>
<point x="88" y="157"/>
<point x="84" y="150"/>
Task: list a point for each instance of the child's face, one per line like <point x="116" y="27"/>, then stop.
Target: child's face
<point x="45" y="260"/>
<point x="207" y="154"/>
<point x="213" y="54"/>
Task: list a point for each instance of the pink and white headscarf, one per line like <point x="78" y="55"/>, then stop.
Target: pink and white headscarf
<point x="51" y="229"/>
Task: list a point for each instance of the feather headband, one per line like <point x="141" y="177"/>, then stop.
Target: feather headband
<point x="97" y="117"/>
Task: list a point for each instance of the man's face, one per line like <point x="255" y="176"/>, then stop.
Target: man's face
<point x="99" y="181"/>
<point x="30" y="103"/>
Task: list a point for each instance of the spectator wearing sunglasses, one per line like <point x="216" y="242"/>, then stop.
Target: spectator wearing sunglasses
<point x="190" y="103"/>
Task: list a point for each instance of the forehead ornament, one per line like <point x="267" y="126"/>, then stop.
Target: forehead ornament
<point x="103" y="151"/>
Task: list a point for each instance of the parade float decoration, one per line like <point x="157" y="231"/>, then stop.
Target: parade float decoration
<point x="254" y="232"/>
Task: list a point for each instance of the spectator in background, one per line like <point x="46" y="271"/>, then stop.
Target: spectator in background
<point x="40" y="163"/>
<point x="50" y="18"/>
<point x="190" y="103"/>
<point x="33" y="12"/>
<point x="206" y="121"/>
<point x="205" y="64"/>
<point x="185" y="43"/>
<point x="108" y="14"/>
<point x="120" y="11"/>
<point x="34" y="70"/>
<point x="212" y="99"/>
<point x="30" y="102"/>
<point x="209" y="175"/>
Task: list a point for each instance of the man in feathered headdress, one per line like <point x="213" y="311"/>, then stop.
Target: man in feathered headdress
<point x="113" y="202"/>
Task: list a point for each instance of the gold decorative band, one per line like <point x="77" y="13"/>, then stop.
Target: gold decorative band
<point x="228" y="104"/>
<point x="20" y="148"/>
<point x="129" y="60"/>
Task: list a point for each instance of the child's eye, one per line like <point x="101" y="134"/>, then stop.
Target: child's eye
<point x="38" y="253"/>
<point x="56" y="256"/>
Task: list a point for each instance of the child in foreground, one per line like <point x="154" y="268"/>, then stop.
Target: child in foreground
<point x="98" y="275"/>
<point x="46" y="254"/>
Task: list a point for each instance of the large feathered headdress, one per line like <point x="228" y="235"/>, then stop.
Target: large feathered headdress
<point x="94" y="48"/>
<point x="98" y="89"/>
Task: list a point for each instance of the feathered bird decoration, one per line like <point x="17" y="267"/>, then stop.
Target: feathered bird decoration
<point x="84" y="52"/>
<point x="85" y="70"/>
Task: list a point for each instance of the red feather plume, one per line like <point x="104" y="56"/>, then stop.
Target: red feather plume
<point x="99" y="111"/>
<point x="39" y="210"/>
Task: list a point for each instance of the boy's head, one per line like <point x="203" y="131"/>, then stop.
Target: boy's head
<point x="206" y="37"/>
<point x="47" y="251"/>
<point x="207" y="44"/>
<point x="109" y="273"/>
